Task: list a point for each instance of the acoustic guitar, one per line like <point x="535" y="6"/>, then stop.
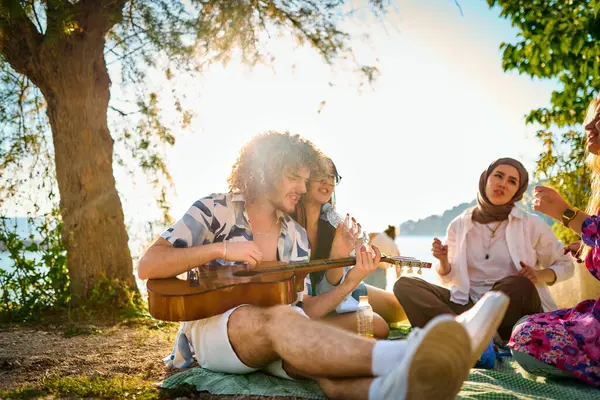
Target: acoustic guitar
<point x="212" y="289"/>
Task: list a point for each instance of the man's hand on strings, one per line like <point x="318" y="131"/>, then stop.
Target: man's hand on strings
<point x="244" y="252"/>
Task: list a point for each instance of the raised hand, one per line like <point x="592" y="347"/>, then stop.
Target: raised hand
<point x="439" y="250"/>
<point x="244" y="252"/>
<point x="346" y="237"/>
<point x="547" y="201"/>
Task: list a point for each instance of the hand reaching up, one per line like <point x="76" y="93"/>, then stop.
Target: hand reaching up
<point x="346" y="238"/>
<point x="439" y="250"/>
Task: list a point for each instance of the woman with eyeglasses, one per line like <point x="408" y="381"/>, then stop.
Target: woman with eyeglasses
<point x="339" y="289"/>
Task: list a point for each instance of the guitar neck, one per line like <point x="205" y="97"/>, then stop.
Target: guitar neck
<point x="319" y="265"/>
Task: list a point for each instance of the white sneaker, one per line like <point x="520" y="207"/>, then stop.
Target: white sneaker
<point x="437" y="363"/>
<point x="482" y="321"/>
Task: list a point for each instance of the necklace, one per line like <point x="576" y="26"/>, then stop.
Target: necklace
<point x="268" y="233"/>
<point x="487" y="250"/>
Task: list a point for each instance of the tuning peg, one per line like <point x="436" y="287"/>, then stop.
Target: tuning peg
<point x="420" y="271"/>
<point x="410" y="269"/>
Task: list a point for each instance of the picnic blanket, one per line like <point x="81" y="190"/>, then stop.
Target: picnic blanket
<point x="506" y="381"/>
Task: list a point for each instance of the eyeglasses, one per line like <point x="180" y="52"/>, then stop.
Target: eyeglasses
<point x="327" y="180"/>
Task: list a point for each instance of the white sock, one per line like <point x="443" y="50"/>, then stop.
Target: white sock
<point x="387" y="354"/>
<point x="374" y="388"/>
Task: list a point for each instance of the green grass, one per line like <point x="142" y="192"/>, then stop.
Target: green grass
<point x="107" y="388"/>
<point x="21" y="393"/>
<point x="81" y="330"/>
<point x="102" y="388"/>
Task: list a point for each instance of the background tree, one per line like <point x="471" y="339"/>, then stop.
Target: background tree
<point x="558" y="40"/>
<point x="55" y="99"/>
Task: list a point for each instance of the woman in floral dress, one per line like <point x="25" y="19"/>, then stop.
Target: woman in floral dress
<point x="567" y="342"/>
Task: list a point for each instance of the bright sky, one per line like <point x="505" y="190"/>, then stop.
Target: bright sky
<point x="412" y="145"/>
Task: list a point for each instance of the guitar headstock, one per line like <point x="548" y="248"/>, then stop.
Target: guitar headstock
<point x="406" y="263"/>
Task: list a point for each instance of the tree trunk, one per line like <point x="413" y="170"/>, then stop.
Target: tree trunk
<point x="77" y="91"/>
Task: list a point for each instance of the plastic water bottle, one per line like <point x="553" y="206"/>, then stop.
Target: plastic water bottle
<point x="332" y="216"/>
<point x="365" y="318"/>
<point x="336" y="219"/>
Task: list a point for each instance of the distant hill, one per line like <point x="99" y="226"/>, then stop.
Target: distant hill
<point x="436" y="225"/>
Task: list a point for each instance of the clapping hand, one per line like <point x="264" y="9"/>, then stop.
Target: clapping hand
<point x="529" y="273"/>
<point x="438" y="250"/>
<point x="574" y="249"/>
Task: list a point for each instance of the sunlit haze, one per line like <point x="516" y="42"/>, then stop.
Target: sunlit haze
<point x="411" y="145"/>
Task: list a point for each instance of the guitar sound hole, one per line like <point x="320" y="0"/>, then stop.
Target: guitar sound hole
<point x="244" y="273"/>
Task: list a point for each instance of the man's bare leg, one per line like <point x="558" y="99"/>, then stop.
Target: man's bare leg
<point x="313" y="349"/>
<point x="434" y="368"/>
<point x="346" y="389"/>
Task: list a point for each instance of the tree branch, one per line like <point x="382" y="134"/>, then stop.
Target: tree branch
<point x="19" y="38"/>
<point x="120" y="112"/>
<point x="88" y="12"/>
<point x="39" y="24"/>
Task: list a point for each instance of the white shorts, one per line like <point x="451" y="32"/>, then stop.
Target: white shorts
<point x="212" y="348"/>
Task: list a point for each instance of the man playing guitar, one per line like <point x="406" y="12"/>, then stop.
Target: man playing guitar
<point x="250" y="224"/>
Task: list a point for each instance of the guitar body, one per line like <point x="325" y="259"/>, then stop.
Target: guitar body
<point x="220" y="289"/>
<point x="216" y="289"/>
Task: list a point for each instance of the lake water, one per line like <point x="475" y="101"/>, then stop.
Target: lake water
<point x="418" y="247"/>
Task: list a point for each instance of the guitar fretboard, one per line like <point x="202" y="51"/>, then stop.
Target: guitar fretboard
<point x="343" y="262"/>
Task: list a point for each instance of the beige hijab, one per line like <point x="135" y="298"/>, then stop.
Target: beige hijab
<point x="487" y="212"/>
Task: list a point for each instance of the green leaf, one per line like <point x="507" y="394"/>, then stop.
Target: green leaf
<point x="562" y="52"/>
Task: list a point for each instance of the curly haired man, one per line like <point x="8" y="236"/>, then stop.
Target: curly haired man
<point x="250" y="224"/>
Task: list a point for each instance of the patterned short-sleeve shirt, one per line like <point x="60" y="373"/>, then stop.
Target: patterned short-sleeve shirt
<point x="222" y="217"/>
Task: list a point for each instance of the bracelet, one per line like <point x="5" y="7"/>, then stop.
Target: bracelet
<point x="224" y="250"/>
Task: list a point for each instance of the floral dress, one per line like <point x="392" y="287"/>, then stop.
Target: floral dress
<point x="568" y="339"/>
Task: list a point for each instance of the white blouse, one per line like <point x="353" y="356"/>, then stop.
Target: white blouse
<point x="488" y="259"/>
<point x="528" y="238"/>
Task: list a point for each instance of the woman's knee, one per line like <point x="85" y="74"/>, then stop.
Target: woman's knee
<point x="381" y="329"/>
<point x="516" y="284"/>
<point x="402" y="285"/>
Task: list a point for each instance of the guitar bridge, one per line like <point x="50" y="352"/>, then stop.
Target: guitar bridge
<point x="193" y="276"/>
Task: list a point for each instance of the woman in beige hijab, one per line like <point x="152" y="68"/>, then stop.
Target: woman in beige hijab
<point x="492" y="246"/>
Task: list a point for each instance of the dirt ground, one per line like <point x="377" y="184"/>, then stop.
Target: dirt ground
<point x="31" y="354"/>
